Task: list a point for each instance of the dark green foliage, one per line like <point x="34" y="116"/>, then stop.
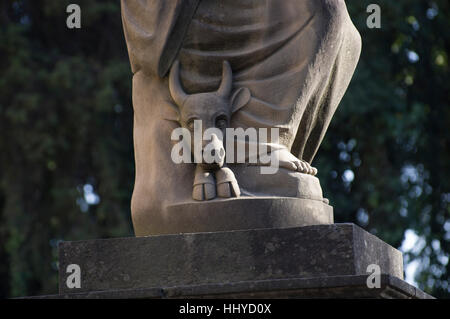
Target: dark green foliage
<point x="66" y="121"/>
<point x="66" y="124"/>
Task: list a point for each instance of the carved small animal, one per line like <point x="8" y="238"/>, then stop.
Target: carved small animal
<point x="213" y="109"/>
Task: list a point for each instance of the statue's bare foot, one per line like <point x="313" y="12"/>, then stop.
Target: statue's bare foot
<point x="289" y="161"/>
<point x="227" y="185"/>
<point x="204" y="185"/>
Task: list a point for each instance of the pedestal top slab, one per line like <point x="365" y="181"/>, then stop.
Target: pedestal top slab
<point x="226" y="257"/>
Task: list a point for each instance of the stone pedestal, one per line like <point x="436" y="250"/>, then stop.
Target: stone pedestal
<point x="296" y="200"/>
<point x="323" y="261"/>
<point x="245" y="213"/>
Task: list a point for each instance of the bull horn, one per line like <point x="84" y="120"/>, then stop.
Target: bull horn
<point x="227" y="79"/>
<point x="176" y="90"/>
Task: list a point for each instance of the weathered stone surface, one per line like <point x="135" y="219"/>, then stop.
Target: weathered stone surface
<point x="319" y="287"/>
<point x="227" y="257"/>
<point x="283" y="184"/>
<point x="244" y="213"/>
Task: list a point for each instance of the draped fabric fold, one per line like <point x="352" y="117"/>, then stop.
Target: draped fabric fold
<point x="147" y="25"/>
<point x="295" y="56"/>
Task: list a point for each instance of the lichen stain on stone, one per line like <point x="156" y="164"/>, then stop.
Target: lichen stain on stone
<point x="270" y="247"/>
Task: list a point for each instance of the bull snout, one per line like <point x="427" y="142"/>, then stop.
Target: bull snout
<point x="213" y="153"/>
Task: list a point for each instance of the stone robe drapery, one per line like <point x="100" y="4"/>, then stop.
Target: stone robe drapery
<point x="296" y="56"/>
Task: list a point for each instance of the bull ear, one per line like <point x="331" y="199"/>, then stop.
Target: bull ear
<point x="239" y="99"/>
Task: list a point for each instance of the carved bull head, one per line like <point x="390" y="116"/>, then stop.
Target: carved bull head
<point x="213" y="109"/>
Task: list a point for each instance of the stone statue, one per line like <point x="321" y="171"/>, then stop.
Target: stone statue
<point x="281" y="65"/>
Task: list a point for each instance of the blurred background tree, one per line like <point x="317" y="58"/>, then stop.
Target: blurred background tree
<point x="66" y="149"/>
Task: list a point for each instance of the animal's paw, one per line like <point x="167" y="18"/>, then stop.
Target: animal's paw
<point x="227" y="185"/>
<point x="204" y="187"/>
